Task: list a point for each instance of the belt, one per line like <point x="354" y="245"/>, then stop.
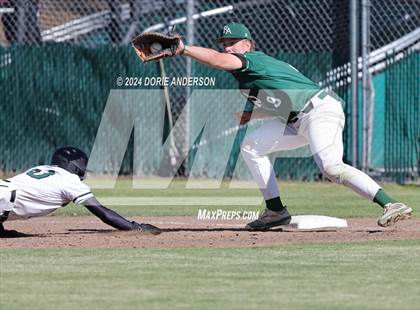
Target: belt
<point x="5" y="214"/>
<point x="294" y="115"/>
<point x="12" y="193"/>
<point x="12" y="196"/>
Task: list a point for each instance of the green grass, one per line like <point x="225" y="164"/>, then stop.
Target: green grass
<point x="366" y="275"/>
<point x="321" y="198"/>
<point x="363" y="275"/>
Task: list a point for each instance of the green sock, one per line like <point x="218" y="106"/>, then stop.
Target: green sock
<point x="383" y="198"/>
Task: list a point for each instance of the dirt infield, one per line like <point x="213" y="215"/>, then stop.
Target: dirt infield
<point x="89" y="232"/>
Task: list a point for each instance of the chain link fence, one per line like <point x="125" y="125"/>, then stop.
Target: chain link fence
<point x="393" y="96"/>
<point x="312" y="35"/>
<point x="391" y="20"/>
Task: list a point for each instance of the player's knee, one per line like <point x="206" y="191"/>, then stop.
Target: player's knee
<point x="335" y="173"/>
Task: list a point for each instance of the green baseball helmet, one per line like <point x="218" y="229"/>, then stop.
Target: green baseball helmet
<point x="234" y="31"/>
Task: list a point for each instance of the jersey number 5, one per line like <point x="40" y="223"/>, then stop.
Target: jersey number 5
<point x="38" y="174"/>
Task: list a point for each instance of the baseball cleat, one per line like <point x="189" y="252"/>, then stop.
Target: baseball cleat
<point x="150" y="229"/>
<point x="394" y="212"/>
<point x="270" y="219"/>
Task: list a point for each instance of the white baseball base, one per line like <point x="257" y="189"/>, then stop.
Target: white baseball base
<point x="316" y="221"/>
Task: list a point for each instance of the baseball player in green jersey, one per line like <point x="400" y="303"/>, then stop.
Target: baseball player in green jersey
<point x="303" y="114"/>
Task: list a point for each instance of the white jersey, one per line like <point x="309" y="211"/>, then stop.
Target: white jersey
<point x="43" y="189"/>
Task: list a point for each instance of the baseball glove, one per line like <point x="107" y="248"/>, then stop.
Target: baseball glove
<point x="167" y="45"/>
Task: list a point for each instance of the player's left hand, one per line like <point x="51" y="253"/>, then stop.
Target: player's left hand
<point x="146" y="228"/>
<point x="154" y="45"/>
<point x="12" y="234"/>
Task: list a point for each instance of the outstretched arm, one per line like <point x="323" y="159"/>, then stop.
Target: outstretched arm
<point x="108" y="216"/>
<point x="210" y="57"/>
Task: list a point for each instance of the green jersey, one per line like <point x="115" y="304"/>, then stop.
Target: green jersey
<point x="275" y="78"/>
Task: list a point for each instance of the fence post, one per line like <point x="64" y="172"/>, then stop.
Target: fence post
<point x="366" y="86"/>
<point x="354" y="80"/>
<point x="190" y="41"/>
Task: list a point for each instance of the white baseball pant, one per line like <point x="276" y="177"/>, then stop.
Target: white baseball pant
<point x="5" y="197"/>
<point x="322" y="129"/>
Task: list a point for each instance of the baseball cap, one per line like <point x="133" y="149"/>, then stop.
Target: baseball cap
<point x="234" y="31"/>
